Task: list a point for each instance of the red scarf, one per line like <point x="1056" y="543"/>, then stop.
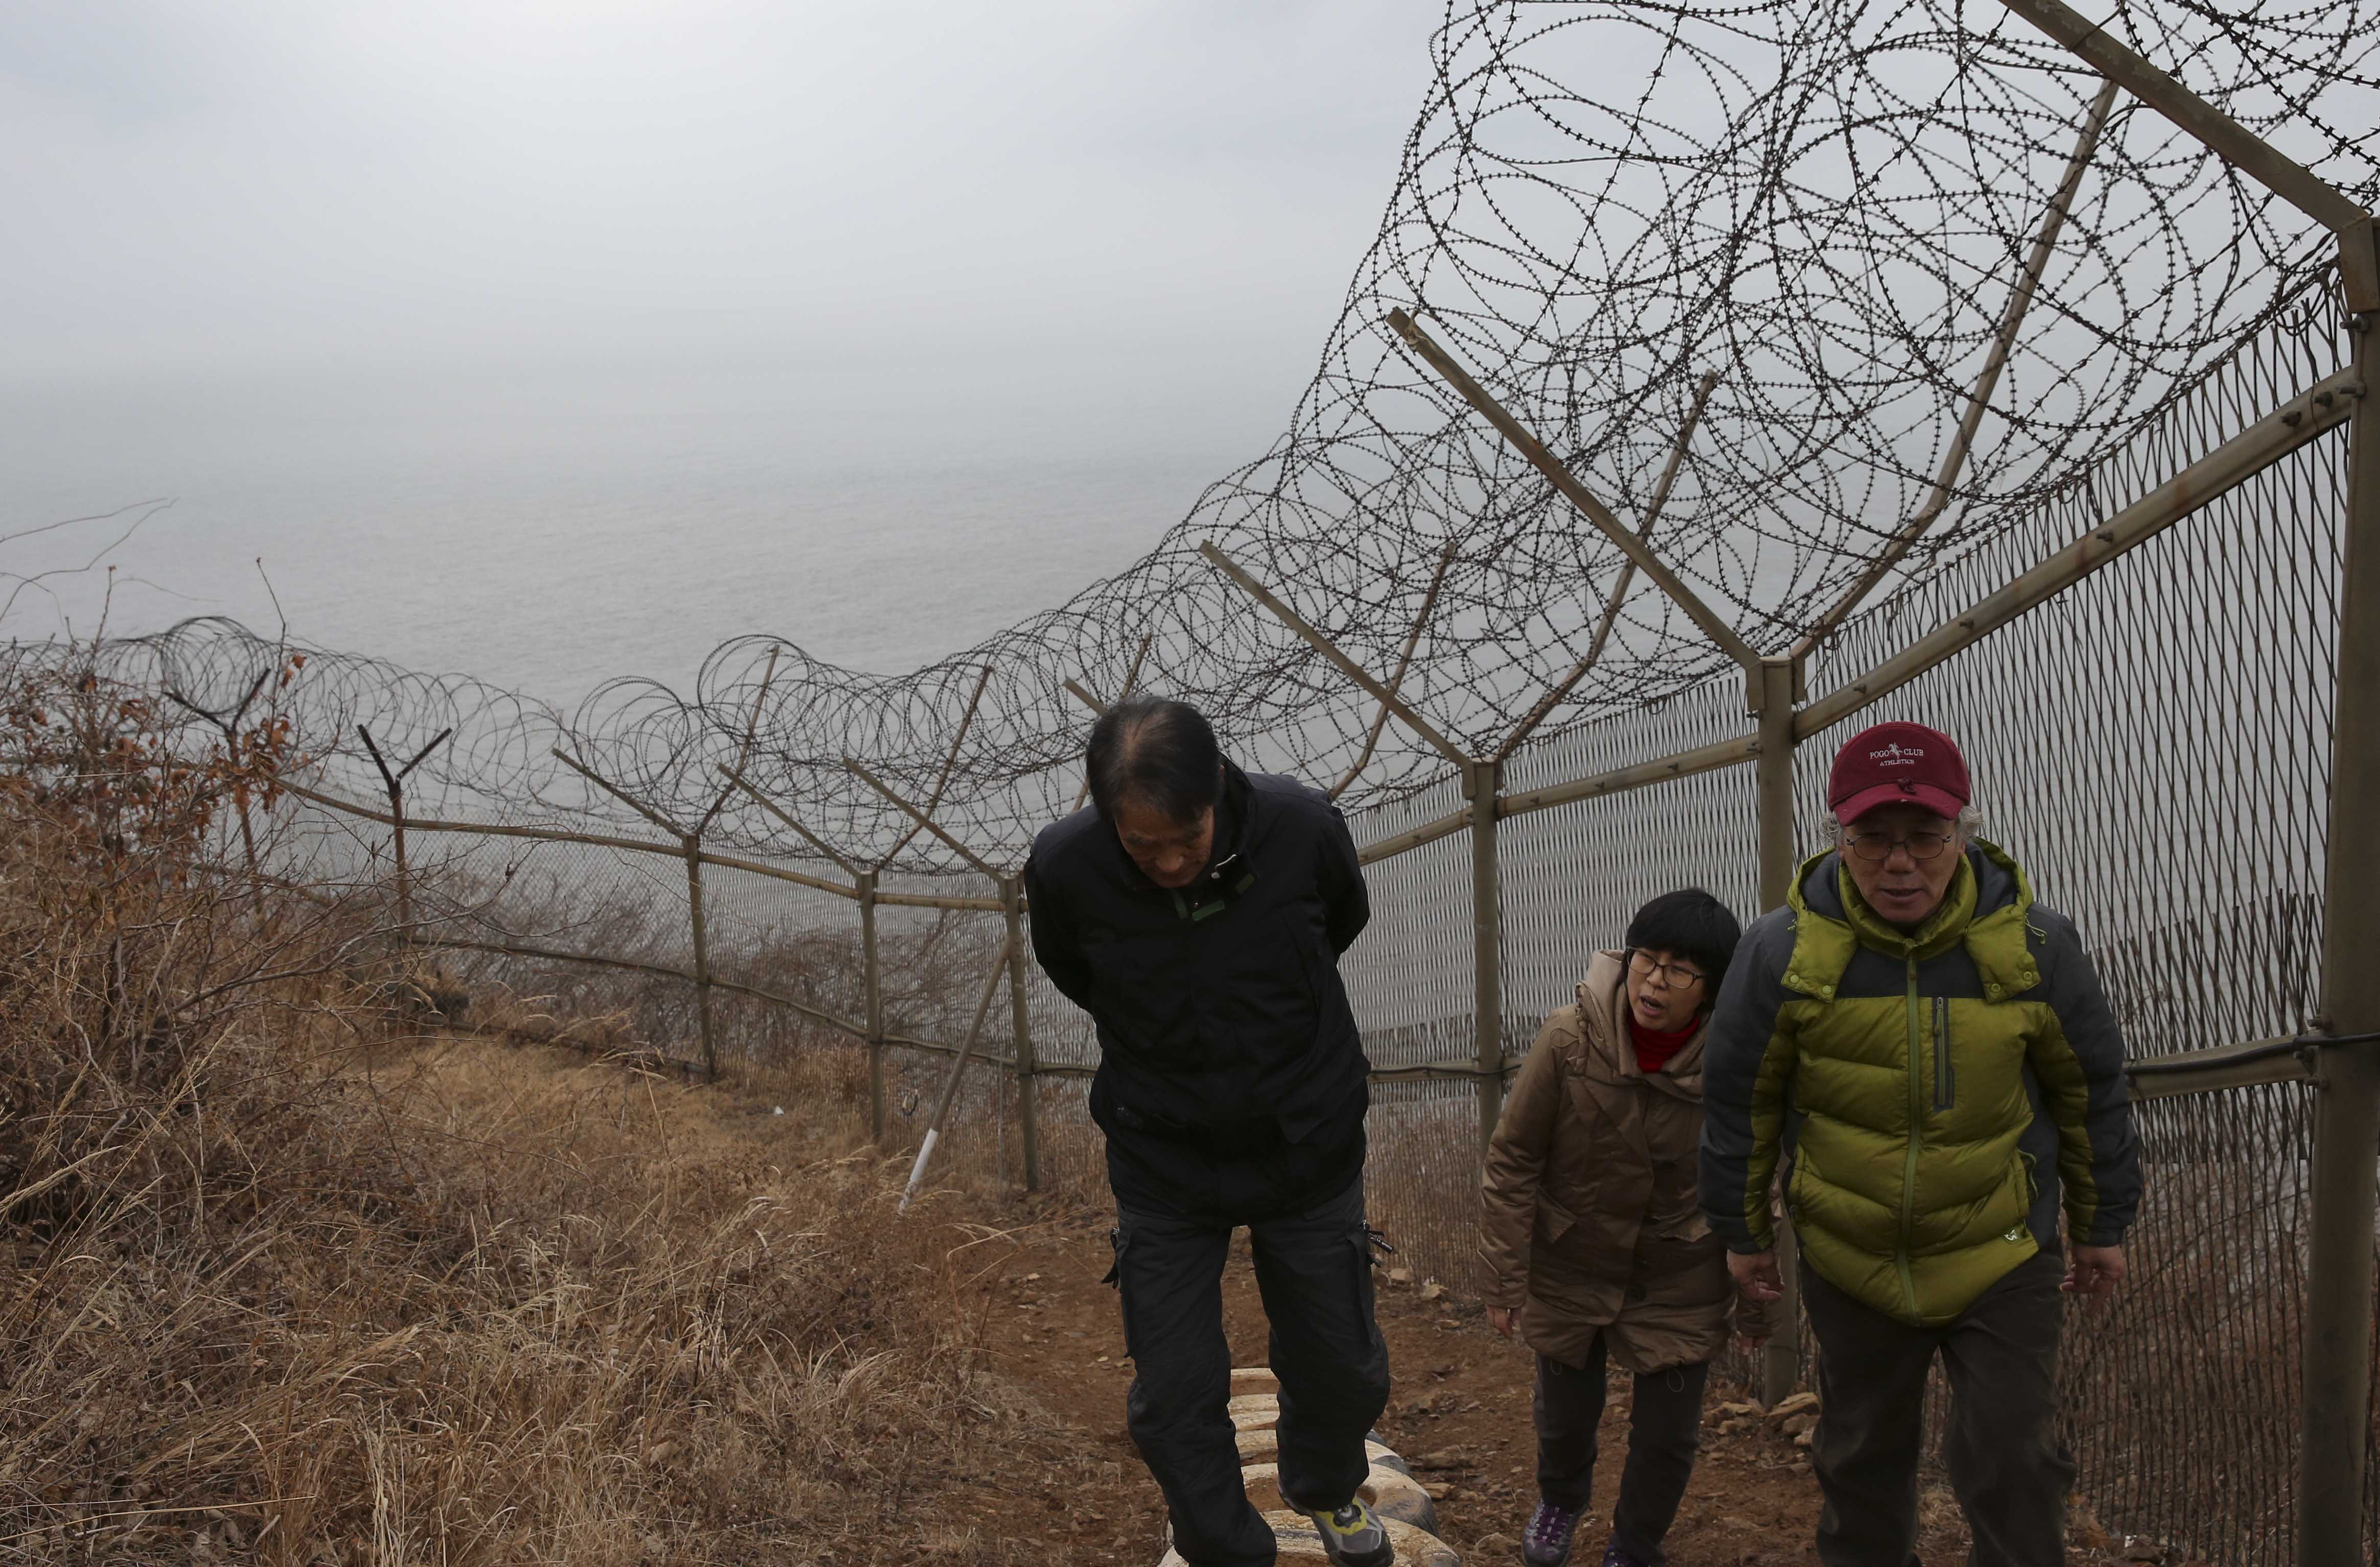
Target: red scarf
<point x="1653" y="1051"/>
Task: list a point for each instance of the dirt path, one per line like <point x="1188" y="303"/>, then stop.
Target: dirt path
<point x="1460" y="1415"/>
<point x="1040" y="1470"/>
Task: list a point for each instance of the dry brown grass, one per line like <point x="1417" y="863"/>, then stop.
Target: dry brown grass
<point x="288" y="1282"/>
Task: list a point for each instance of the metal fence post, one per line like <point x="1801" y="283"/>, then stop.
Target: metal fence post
<point x="1028" y="1099"/>
<point x="394" y="779"/>
<point x="2338" y="1351"/>
<point x="1781" y="1365"/>
<point x="872" y="981"/>
<point x="403" y="882"/>
<point x="701" y="955"/>
<point x="1479" y="781"/>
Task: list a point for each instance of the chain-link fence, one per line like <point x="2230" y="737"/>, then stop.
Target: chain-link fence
<point x="2153" y="744"/>
<point x="1970" y="368"/>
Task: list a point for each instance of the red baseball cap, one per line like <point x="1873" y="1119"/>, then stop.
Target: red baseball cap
<point x="1894" y="764"/>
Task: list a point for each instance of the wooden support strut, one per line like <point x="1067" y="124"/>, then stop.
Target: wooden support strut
<point x="1012" y="906"/>
<point x="2337" y="1359"/>
<point x="1594" y="786"/>
<point x="2225" y="137"/>
<point x="1979" y="396"/>
<point x="693" y="839"/>
<point x="1721" y="634"/>
<point x="1029" y="1096"/>
<point x="1781" y="1360"/>
<point x="1397" y="675"/>
<point x="950" y="765"/>
<point x="958" y="1069"/>
<point x="922" y="820"/>
<point x="1612" y="601"/>
<point x="1479" y="781"/>
<point x="604" y="841"/>
<point x="848" y="866"/>
<point x="872" y="983"/>
<point x="690" y="849"/>
<point x="2328" y="403"/>
<point x="701" y="956"/>
<point x="1329" y="649"/>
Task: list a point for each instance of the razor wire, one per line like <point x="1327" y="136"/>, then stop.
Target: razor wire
<point x="1823" y="204"/>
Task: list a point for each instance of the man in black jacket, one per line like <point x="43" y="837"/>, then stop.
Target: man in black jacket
<point x="1197" y="914"/>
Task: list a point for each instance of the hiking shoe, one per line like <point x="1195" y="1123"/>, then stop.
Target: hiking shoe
<point x="1615" y="1556"/>
<point x="1353" y="1538"/>
<point x="1546" y="1542"/>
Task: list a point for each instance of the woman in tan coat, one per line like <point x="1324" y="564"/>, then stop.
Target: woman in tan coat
<point x="1593" y="1236"/>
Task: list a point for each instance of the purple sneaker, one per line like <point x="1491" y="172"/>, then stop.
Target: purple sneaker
<point x="1546" y="1542"/>
<point x="1615" y="1556"/>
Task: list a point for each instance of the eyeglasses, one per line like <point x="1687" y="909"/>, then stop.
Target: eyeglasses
<point x="1644" y="966"/>
<point x="1925" y="844"/>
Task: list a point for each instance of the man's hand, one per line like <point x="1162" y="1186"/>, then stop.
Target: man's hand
<point x="1503" y="1318"/>
<point x="1755" y="1274"/>
<point x="2092" y="1272"/>
<point x="1758" y="1280"/>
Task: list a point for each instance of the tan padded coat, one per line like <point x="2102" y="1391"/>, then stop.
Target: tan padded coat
<point x="1592" y="1219"/>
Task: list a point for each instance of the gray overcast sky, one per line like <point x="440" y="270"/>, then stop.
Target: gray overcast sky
<point x="554" y="339"/>
<point x="246" y="185"/>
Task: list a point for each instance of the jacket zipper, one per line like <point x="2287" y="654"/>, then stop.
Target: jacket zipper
<point x="1945" y="1073"/>
<point x="1909" y="1160"/>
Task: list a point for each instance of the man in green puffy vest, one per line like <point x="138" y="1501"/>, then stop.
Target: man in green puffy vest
<point x="1930" y="1053"/>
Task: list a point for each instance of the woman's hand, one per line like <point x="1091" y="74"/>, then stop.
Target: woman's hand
<point x="1503" y="1318"/>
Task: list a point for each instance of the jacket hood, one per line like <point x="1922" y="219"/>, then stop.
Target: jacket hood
<point x="2000" y="881"/>
<point x="1985" y="909"/>
<point x="1603" y="1021"/>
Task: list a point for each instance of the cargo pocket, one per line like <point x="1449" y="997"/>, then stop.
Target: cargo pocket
<point x="1120" y="1242"/>
<point x="1359" y="1251"/>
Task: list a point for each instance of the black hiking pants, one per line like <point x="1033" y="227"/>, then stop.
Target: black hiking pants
<point x="1314" y="1268"/>
<point x="1665" y="1425"/>
<point x="2007" y="1468"/>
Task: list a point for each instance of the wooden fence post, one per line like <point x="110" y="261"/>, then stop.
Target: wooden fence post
<point x="701" y="955"/>
<point x="1781" y="1361"/>
<point x="1479" y="782"/>
<point x="1029" y="1108"/>
<point x="874" y="981"/>
<point x="2337" y="1363"/>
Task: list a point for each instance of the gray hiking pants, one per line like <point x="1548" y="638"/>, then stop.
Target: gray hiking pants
<point x="2007" y="1468"/>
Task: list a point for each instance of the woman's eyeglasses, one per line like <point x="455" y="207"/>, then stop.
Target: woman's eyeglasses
<point x="1645" y="966"/>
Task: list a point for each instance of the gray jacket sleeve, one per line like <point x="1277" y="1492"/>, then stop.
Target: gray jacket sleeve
<point x="2080" y="1066"/>
<point x="1747" y="1075"/>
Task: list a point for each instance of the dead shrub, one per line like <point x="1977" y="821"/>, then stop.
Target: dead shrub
<point x="284" y="1282"/>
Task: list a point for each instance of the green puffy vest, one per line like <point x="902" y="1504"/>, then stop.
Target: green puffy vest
<point x="1908" y="1189"/>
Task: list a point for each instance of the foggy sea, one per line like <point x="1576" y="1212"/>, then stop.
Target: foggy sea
<point x="549" y="530"/>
